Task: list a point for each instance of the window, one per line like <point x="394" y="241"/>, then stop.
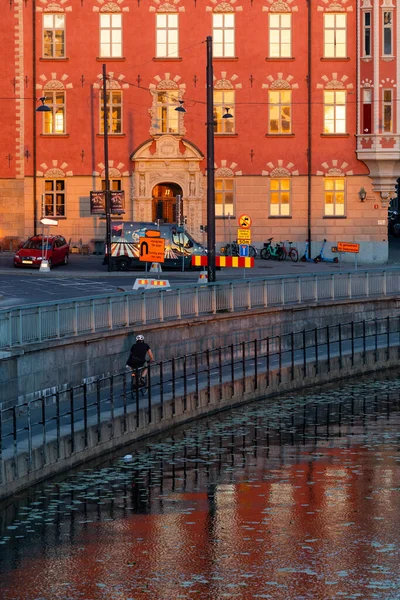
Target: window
<point x="111" y="35"/>
<point x="54" y="121"/>
<point x="279" y="197"/>
<point x="335" y="36"/>
<point x="334" y="197"/>
<point x="167" y="116"/>
<point x="334" y="111"/>
<point x="114" y="111"/>
<point x="367" y="110"/>
<point x="115" y="185"/>
<point x="224" y="99"/>
<point x="280" y="120"/>
<point x="223" y="34"/>
<point x="54" y="198"/>
<point x="53" y="36"/>
<point x="367" y="34"/>
<point x="280" y="35"/>
<point x="167" y="35"/>
<point x="387" y="32"/>
<point x="224" y="197"/>
<point x="387" y="110"/>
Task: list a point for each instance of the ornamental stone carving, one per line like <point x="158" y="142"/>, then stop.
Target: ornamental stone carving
<point x="223" y="84"/>
<point x="334" y="85"/>
<point x="167" y="84"/>
<point x="280" y="7"/>
<point x="142" y="185"/>
<point x="223" y="7"/>
<point x="110" y="7"/>
<point x="334" y="172"/>
<point x="54" y="85"/>
<point x="280" y="84"/>
<point x="335" y="7"/>
<point x="167" y="8"/>
<point x="224" y="172"/>
<point x="54" y="173"/>
<point x="280" y="172"/>
<point x="54" y="8"/>
<point x="160" y="177"/>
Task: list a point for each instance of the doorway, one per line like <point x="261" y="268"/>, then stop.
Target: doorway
<point x="165" y="207"/>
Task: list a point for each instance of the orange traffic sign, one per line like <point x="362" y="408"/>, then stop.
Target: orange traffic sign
<point x="153" y="233"/>
<point x="244" y="221"/>
<point x="152" y="249"/>
<point x="348" y="247"/>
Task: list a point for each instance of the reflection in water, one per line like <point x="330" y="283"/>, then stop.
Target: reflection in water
<point x="284" y="499"/>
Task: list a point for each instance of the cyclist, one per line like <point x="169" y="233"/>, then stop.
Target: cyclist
<point x="140" y="354"/>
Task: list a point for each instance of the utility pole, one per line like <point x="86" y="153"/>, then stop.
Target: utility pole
<point x="106" y="173"/>
<point x="211" y="271"/>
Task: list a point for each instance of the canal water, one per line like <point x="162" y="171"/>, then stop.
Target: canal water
<point x="291" y="498"/>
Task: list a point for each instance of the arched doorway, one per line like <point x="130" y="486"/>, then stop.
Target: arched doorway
<point x="165" y="208"/>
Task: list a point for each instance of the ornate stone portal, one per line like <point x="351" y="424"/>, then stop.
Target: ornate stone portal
<point x="169" y="159"/>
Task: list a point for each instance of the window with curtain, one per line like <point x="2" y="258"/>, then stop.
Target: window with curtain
<point x="279" y="197"/>
<point x="167" y="35"/>
<point x="166" y="115"/>
<point x="54" y="198"/>
<point x="111" y="35"/>
<point x="54" y="120"/>
<point x="334" y="197"/>
<point x="280" y="35"/>
<point x="54" y="36"/>
<point x="367" y="33"/>
<point x="334" y="111"/>
<point x="224" y="197"/>
<point x="335" y="35"/>
<point x="224" y="99"/>
<point x="114" y="111"/>
<point x="223" y="34"/>
<point x="388" y="111"/>
<point x="387" y="32"/>
<point x="280" y="111"/>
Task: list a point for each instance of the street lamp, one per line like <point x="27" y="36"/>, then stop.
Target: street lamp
<point x="42" y="108"/>
<point x="211" y="271"/>
<point x="106" y="172"/>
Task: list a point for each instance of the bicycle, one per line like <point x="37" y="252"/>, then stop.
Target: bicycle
<point x="291" y="252"/>
<point x="142" y="384"/>
<point x="233" y="249"/>
<point x="269" y="251"/>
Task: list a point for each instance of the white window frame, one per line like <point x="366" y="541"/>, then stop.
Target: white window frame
<point x="333" y="34"/>
<point x="338" y="208"/>
<point x="223" y="35"/>
<point x="112" y="102"/>
<point x="275" y="209"/>
<point x="276" y="46"/>
<point x="336" y="118"/>
<point x="387" y="104"/>
<point x="166" y="30"/>
<point x="281" y="107"/>
<point x="50" y="118"/>
<point x="110" y="45"/>
<point x="387" y="27"/>
<point x="367" y="28"/>
<point x="53" y="193"/>
<point x="224" y="126"/>
<point x="52" y="32"/>
<point x="220" y="210"/>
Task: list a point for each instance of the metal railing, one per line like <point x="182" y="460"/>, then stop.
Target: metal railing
<point x="265" y="362"/>
<point x="82" y="316"/>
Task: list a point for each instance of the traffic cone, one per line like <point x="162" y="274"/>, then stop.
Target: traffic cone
<point x="155" y="268"/>
<point x="203" y="277"/>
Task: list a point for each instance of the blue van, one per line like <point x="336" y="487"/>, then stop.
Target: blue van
<point x="179" y="245"/>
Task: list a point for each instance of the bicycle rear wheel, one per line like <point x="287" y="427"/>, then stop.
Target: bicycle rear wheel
<point x="252" y="251"/>
<point x="294" y="255"/>
<point x="265" y="253"/>
<point x="281" y="254"/>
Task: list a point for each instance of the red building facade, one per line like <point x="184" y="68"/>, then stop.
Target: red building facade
<point x="311" y="148"/>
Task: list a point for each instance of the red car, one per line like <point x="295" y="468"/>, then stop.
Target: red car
<point x="56" y="251"/>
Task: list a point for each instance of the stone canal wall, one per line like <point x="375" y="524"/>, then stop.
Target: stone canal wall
<point x="31" y="466"/>
<point x="42" y="367"/>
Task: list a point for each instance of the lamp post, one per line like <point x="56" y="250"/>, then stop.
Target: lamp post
<point x="106" y="172"/>
<point x="211" y="271"/>
<point x="41" y="108"/>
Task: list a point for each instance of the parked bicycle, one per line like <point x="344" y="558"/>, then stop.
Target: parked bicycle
<point x="272" y="252"/>
<point x="233" y="249"/>
<point x="291" y="252"/>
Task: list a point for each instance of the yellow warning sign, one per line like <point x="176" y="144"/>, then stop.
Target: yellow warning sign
<point x="244" y="221"/>
<point x="348" y="247"/>
<point x="152" y="249"/>
<point x="244" y="236"/>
